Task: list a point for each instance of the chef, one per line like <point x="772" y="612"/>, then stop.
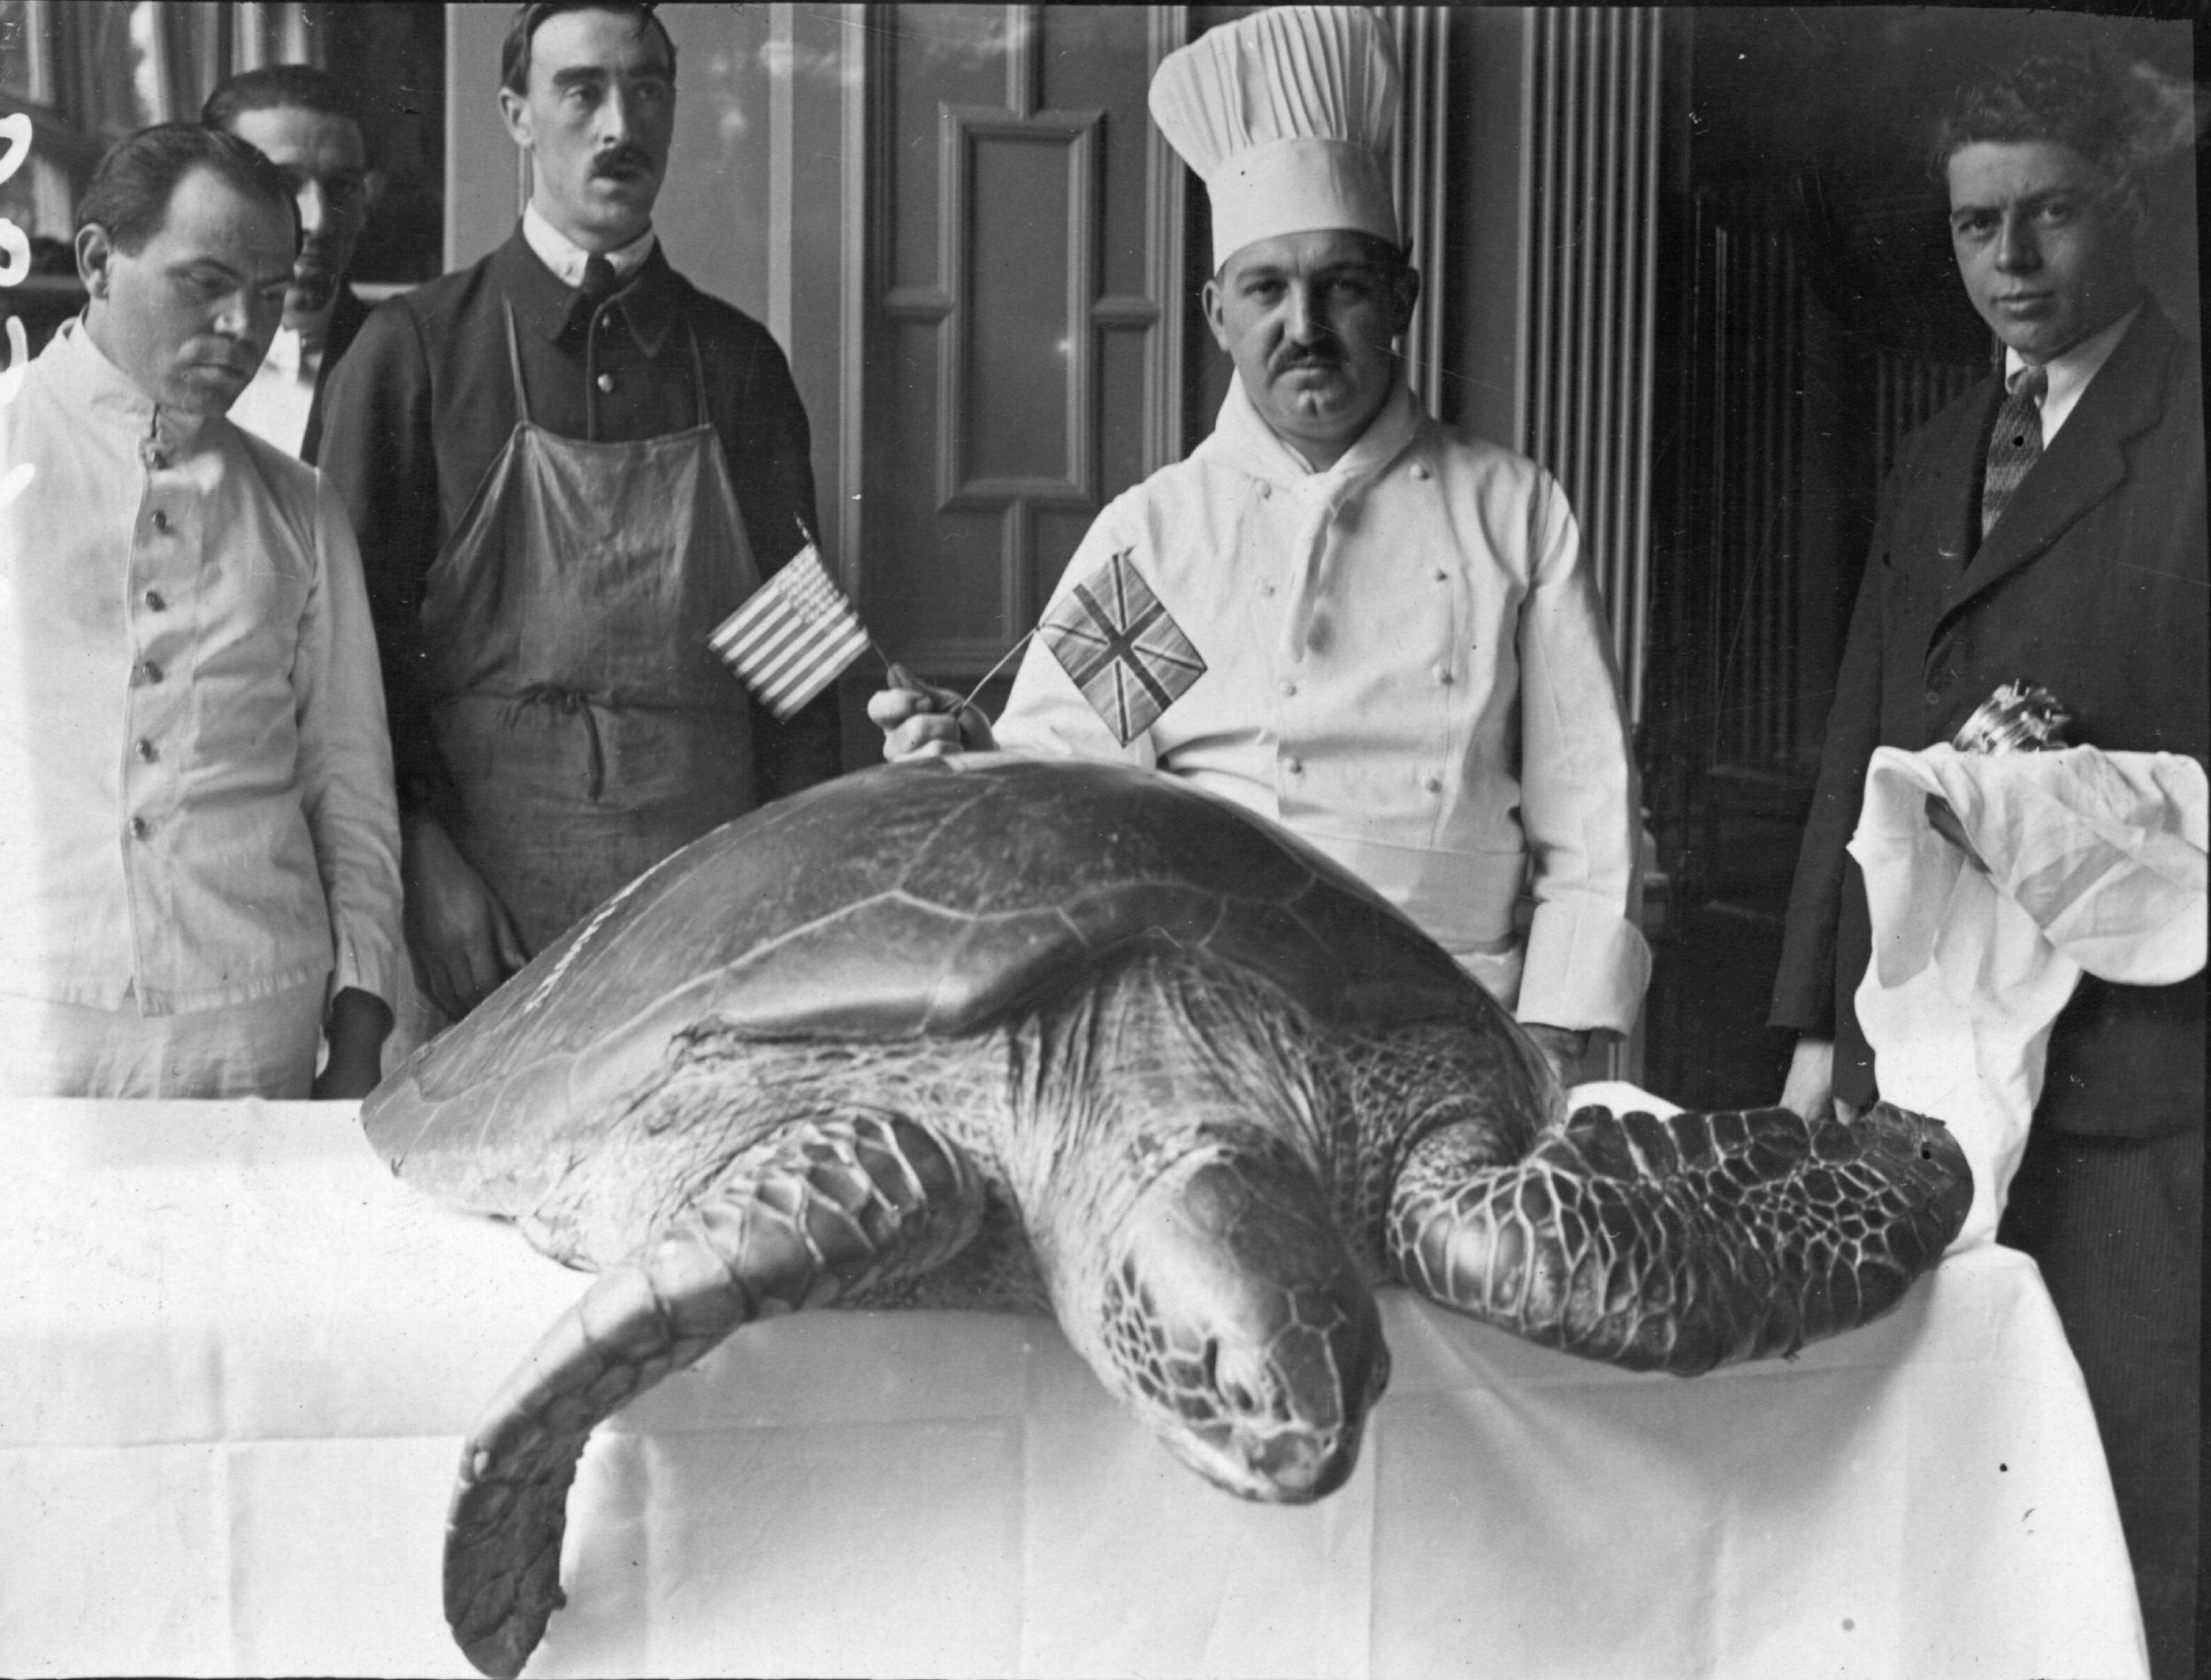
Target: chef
<point x="1407" y="660"/>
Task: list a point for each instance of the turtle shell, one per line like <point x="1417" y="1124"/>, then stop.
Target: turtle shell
<point x="932" y="898"/>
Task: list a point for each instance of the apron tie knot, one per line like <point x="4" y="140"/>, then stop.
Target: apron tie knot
<point x="577" y="705"/>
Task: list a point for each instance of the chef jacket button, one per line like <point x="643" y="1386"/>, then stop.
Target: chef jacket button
<point x="1267" y="589"/>
<point x="149" y="671"/>
<point x="1441" y="576"/>
<point x="161" y="520"/>
<point x="606" y="382"/>
<point x="1443" y="676"/>
<point x="138" y="828"/>
<point x="1289" y="687"/>
<point x="155" y="601"/>
<point x="1296" y="767"/>
<point x="1432" y="781"/>
<point x="1266" y="491"/>
<point x="147" y="750"/>
<point x="1420" y="471"/>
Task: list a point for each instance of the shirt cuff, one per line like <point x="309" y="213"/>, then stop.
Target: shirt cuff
<point x="367" y="957"/>
<point x="1586" y="968"/>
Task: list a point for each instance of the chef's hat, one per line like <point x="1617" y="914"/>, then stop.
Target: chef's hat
<point x="1287" y="116"/>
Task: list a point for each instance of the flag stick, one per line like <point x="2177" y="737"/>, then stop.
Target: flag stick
<point x="1004" y="659"/>
<point x="874" y="646"/>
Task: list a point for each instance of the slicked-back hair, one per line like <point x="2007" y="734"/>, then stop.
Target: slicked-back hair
<point x="276" y="86"/>
<point x="2089" y="104"/>
<point x="130" y="191"/>
<point x="514" y="52"/>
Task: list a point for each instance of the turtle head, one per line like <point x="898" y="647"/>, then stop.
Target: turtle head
<point x="1232" y="1319"/>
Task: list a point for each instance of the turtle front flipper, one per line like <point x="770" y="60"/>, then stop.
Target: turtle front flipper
<point x="1684" y="1243"/>
<point x="836" y="1204"/>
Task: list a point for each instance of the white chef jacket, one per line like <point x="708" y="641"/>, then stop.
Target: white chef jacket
<point x="1407" y="664"/>
<point x="196" y="783"/>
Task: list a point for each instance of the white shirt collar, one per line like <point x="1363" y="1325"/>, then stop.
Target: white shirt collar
<point x="2070" y="373"/>
<point x="566" y="258"/>
<point x="288" y="354"/>
<point x="277" y="400"/>
<point x="113" y="394"/>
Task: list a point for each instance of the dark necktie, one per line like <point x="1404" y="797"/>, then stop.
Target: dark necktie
<point x="2014" y="444"/>
<point x="599" y="281"/>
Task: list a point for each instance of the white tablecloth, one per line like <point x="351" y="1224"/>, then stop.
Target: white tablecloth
<point x="240" y="1359"/>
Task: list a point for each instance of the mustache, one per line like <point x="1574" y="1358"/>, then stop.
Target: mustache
<point x="1321" y="353"/>
<point x="623" y="159"/>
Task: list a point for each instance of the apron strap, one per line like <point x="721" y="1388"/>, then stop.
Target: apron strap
<point x="698" y="372"/>
<point x="514" y="363"/>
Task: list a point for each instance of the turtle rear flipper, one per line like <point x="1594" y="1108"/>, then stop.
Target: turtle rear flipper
<point x="1684" y="1243"/>
<point x="835" y="1204"/>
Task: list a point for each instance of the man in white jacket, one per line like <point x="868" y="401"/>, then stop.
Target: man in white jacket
<point x="1407" y="660"/>
<point x="198" y="850"/>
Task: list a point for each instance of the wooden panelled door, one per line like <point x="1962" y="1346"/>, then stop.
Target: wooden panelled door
<point x="1024" y="274"/>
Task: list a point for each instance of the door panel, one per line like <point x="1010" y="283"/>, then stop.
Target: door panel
<point x="1021" y="322"/>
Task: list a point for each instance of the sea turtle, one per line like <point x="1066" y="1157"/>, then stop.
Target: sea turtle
<point x="995" y="1032"/>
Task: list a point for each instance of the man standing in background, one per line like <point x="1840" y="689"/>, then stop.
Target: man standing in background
<point x="2048" y="527"/>
<point x="303" y="121"/>
<point x="566" y="466"/>
<point x="199" y="847"/>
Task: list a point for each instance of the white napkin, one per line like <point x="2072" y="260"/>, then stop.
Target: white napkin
<point x="2096" y="863"/>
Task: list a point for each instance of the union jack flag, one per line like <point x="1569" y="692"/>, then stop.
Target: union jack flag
<point x="792" y="636"/>
<point x="1129" y="657"/>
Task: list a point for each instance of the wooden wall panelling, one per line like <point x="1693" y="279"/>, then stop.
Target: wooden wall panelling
<point x="1420" y="169"/>
<point x="1591" y="125"/>
<point x="1024" y="326"/>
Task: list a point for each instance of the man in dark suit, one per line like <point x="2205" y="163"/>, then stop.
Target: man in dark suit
<point x="306" y="123"/>
<point x="2049" y="526"/>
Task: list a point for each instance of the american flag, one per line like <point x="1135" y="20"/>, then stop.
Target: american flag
<point x="793" y="636"/>
<point x="1129" y="657"/>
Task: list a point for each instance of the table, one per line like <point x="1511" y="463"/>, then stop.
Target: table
<point x="242" y="1359"/>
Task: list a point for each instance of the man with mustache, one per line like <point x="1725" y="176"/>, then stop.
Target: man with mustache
<point x="2048" y="527"/>
<point x="568" y="465"/>
<point x="304" y="122"/>
<point x="201" y="872"/>
<point x="1407" y="660"/>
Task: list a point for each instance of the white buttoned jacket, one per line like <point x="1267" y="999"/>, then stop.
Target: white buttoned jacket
<point x="1407" y="664"/>
<point x="195" y="784"/>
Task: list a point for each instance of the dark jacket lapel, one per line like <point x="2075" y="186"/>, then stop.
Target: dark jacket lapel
<point x="346" y="317"/>
<point x="2086" y="462"/>
<point x="1950" y="478"/>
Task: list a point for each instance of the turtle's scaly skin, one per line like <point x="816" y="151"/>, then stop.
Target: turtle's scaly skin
<point x="1007" y="1034"/>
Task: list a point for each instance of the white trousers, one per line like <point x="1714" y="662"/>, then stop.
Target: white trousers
<point x="265" y="1048"/>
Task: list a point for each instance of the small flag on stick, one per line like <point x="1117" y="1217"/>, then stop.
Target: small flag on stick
<point x="792" y="636"/>
<point x="1129" y="657"/>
